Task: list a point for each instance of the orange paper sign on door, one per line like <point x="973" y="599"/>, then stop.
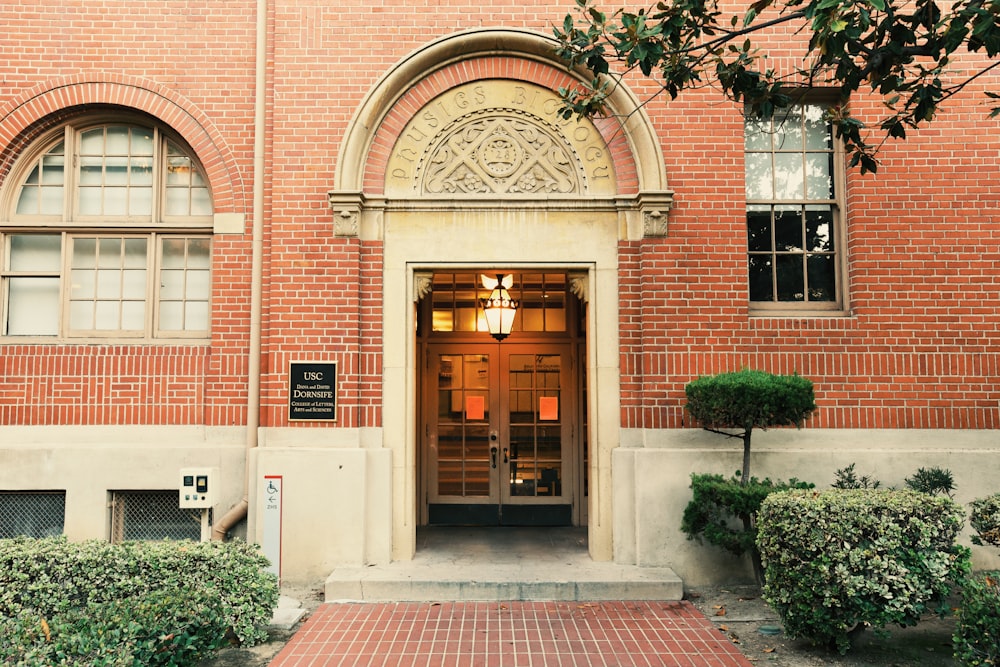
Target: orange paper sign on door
<point x="475" y="407"/>
<point x="548" y="408"/>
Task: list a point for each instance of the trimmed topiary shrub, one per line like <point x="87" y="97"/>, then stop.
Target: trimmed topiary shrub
<point x="838" y="560"/>
<point x="135" y="591"/>
<point x="746" y="400"/>
<point x="977" y="635"/>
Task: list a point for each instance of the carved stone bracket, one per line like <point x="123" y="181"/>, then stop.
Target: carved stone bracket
<point x="423" y="282"/>
<point x="654" y="223"/>
<point x="580" y="286"/>
<point x="654" y="207"/>
<point x="346" y="208"/>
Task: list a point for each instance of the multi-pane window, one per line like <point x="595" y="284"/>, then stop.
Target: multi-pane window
<point x="793" y="210"/>
<point x="102" y="239"/>
<point x="542" y="299"/>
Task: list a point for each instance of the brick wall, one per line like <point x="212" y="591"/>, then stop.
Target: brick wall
<point x="919" y="348"/>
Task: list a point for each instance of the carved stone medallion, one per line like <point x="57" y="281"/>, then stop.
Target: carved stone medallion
<point x="496" y="138"/>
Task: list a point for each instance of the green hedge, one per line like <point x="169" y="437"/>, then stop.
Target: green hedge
<point x="835" y="560"/>
<point x="176" y="595"/>
<point x="163" y="628"/>
<point x="977" y="634"/>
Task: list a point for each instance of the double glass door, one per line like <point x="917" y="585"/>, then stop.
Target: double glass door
<point x="499" y="434"/>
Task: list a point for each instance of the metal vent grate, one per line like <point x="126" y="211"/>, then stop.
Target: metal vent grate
<point x="32" y="514"/>
<point x="152" y="515"/>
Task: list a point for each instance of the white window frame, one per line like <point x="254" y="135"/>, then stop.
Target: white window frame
<point x="155" y="228"/>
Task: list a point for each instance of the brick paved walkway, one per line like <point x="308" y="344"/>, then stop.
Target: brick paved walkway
<point x="509" y="634"/>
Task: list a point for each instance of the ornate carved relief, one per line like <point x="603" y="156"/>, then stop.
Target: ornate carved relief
<point x="580" y="286"/>
<point x="499" y="153"/>
<point x="497" y="138"/>
<point x="345" y="222"/>
<point x="423" y="282"/>
<point x="654" y="223"/>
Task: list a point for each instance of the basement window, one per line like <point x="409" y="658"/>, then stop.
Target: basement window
<point x="152" y="515"/>
<point x="32" y="513"/>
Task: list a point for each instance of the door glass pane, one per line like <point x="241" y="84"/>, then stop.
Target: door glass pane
<point x="463" y="443"/>
<point x="534" y="414"/>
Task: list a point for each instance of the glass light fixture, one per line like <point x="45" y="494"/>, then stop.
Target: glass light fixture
<point x="498" y="308"/>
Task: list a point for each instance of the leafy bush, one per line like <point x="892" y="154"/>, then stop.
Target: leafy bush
<point x="985" y="520"/>
<point x="932" y="481"/>
<point x="846" y="478"/>
<point x="51" y="577"/>
<point x="834" y="560"/>
<point x="977" y="634"/>
<point x="717" y="501"/>
<point x="164" y="628"/>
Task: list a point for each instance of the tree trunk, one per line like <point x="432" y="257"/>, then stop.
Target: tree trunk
<point x="745" y="477"/>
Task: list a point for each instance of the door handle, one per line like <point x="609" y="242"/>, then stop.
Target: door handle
<point x="493" y="455"/>
<point x="505" y="460"/>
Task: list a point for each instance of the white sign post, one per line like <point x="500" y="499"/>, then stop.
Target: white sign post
<point x="271" y="542"/>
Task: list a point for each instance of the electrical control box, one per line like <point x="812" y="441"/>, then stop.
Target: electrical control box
<point x="199" y="487"/>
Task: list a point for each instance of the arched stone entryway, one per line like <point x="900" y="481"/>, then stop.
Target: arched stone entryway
<point x="459" y="159"/>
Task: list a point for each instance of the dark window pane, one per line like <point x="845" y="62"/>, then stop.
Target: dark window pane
<point x="759" y="230"/>
<point x="819" y="230"/>
<point x="760" y="278"/>
<point x="788" y="229"/>
<point x="822" y="282"/>
<point x="790" y="278"/>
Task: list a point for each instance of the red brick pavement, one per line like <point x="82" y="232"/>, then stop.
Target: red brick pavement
<point x="509" y="634"/>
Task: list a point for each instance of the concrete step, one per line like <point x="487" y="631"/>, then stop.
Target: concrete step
<point x="486" y="564"/>
<point x="583" y="581"/>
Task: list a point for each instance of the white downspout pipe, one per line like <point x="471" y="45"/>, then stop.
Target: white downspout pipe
<point x="240" y="510"/>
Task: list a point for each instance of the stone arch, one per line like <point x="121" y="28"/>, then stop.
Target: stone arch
<point x="486" y="54"/>
<point x="22" y="118"/>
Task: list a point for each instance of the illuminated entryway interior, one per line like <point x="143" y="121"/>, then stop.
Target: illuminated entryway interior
<point x="502" y="427"/>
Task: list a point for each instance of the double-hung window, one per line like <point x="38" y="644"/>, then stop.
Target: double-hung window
<point x="794" y="192"/>
<point x="107" y="234"/>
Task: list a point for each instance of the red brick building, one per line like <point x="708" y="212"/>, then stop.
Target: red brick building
<point x="247" y="238"/>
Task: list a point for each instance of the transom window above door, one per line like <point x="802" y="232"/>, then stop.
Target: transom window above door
<point x="106" y="233"/>
<point x="542" y="296"/>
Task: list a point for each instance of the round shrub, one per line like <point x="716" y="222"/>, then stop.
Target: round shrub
<point x="985" y="520"/>
<point x="977" y="633"/>
<point x="839" y="559"/>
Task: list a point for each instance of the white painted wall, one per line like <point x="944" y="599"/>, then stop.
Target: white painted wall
<point x="653" y="467"/>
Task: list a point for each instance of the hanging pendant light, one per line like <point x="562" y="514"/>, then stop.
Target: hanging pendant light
<point x="498" y="308"/>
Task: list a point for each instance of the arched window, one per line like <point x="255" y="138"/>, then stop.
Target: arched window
<point x="106" y="234"/>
